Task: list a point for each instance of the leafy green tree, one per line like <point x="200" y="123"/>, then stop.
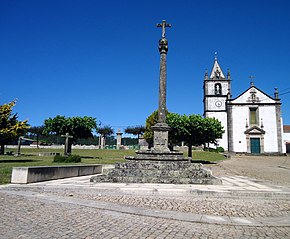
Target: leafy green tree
<point x="150" y="121"/>
<point x="78" y="127"/>
<point x="10" y="127"/>
<point x="36" y="131"/>
<point x="57" y="125"/>
<point x="177" y="124"/>
<point x="135" y="130"/>
<point x="192" y="129"/>
<point x="105" y="130"/>
<point x="129" y="141"/>
<point x="213" y="130"/>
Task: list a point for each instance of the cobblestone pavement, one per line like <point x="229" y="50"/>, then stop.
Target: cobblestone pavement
<point x="244" y="207"/>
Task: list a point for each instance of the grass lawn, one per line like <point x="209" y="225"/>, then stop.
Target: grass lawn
<point x="207" y="156"/>
<point x="30" y="157"/>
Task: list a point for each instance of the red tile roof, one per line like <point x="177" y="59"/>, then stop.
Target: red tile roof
<point x="286" y="128"/>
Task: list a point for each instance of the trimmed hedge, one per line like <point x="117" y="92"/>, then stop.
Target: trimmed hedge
<point x="67" y="159"/>
<point x="217" y="150"/>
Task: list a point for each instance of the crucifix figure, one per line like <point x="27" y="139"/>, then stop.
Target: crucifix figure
<point x="163" y="25"/>
<point x="67" y="146"/>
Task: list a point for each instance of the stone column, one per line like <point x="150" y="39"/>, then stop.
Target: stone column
<point x="119" y="139"/>
<point x="163" y="48"/>
<point x="161" y="128"/>
<point x="102" y="141"/>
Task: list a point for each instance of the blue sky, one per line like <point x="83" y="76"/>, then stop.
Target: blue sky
<point x="101" y="59"/>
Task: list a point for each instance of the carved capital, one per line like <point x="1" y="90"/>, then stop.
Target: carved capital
<point x="163" y="45"/>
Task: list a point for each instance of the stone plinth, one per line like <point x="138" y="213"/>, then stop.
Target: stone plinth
<point x="161" y="137"/>
<point x="176" y="172"/>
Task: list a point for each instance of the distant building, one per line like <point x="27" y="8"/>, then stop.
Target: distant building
<point x="252" y="121"/>
<point x="286" y="137"/>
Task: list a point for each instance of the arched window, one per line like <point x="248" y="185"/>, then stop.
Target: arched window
<point x="218" y="89"/>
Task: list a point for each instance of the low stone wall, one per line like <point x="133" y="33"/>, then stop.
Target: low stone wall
<point x="23" y="175"/>
<point x="46" y="154"/>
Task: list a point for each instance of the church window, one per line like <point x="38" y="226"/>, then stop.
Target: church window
<point x="253" y="116"/>
<point x="218" y="89"/>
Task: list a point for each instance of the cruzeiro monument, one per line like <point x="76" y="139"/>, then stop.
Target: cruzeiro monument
<point x="159" y="164"/>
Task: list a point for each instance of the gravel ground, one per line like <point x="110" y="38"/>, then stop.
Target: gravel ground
<point x="273" y="169"/>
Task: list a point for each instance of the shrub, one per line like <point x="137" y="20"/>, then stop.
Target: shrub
<point x="67" y="159"/>
<point x="74" y="159"/>
<point x="217" y="150"/>
<point x="220" y="150"/>
<point x="58" y="159"/>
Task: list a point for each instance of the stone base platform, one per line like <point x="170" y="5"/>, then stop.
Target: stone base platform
<point x="148" y="171"/>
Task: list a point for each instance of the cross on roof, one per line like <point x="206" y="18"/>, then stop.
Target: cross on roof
<point x="163" y="25"/>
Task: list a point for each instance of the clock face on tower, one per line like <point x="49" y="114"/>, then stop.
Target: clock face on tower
<point x="218" y="103"/>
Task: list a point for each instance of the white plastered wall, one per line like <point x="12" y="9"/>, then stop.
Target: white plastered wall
<point x="222" y="117"/>
<point x="239" y="114"/>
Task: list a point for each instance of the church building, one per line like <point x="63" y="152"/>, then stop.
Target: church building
<point x="252" y="121"/>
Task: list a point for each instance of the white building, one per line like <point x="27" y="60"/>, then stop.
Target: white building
<point x="252" y="121"/>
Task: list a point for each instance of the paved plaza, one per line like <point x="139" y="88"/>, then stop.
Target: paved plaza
<point x="253" y="202"/>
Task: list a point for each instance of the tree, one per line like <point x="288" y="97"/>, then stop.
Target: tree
<point x="150" y="121"/>
<point x="213" y="130"/>
<point x="178" y="131"/>
<point x="78" y="127"/>
<point x="37" y="131"/>
<point x="105" y="131"/>
<point x="192" y="129"/>
<point x="10" y="127"/>
<point x="135" y="130"/>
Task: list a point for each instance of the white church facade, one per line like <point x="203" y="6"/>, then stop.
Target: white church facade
<point x="252" y="121"/>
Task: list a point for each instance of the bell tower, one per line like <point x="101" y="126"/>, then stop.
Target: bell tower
<point x="217" y="89"/>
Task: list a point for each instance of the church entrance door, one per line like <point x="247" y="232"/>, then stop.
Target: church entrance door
<point x="255" y="146"/>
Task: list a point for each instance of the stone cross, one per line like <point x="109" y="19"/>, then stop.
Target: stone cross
<point x="19" y="146"/>
<point x="67" y="146"/>
<point x="163" y="25"/>
<point x="161" y="128"/>
<point x="163" y="49"/>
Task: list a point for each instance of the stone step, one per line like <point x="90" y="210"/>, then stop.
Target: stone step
<point x="169" y="180"/>
<point x="159" y="165"/>
<point x="159" y="173"/>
